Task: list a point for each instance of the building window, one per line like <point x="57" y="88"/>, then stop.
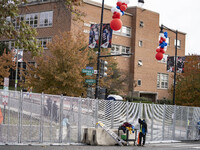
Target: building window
<point x="124" y="31"/>
<point x="115" y="49"/>
<point x="141" y="24"/>
<point x="125" y="50"/>
<point x="162" y="81"/>
<point x="118" y="49"/>
<point x="17" y="20"/>
<point x="10" y="44"/>
<point x="140" y="63"/>
<point x="43" y="19"/>
<point x="46" y="19"/>
<point x="178" y="43"/>
<point x="32" y="20"/>
<point x="139" y="82"/>
<point x="140" y="43"/>
<point x="44" y="41"/>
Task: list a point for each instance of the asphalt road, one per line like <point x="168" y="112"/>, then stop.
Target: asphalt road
<point x="190" y="145"/>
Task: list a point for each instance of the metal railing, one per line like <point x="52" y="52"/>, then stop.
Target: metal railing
<point x="39" y="118"/>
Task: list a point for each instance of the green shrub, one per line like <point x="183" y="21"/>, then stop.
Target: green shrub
<point x="137" y="99"/>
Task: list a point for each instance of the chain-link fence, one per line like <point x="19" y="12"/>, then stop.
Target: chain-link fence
<point x="42" y="118"/>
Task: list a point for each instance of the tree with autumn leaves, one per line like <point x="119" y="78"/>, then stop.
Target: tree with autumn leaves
<point x="188" y="83"/>
<point x="6" y="63"/>
<point x="58" y="70"/>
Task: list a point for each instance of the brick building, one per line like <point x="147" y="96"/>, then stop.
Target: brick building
<point x="138" y="35"/>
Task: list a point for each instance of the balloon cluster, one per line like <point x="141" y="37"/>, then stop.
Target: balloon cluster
<point x="162" y="46"/>
<point x="118" y="11"/>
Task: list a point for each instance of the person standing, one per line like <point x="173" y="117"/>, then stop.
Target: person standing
<point x="55" y="109"/>
<point x="66" y="125"/>
<point x="143" y="131"/>
<point x="1" y="121"/>
<point x="49" y="104"/>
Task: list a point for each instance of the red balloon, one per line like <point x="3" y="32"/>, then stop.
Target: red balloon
<point x="160" y="41"/>
<point x="163" y="39"/>
<point x="159" y="56"/>
<point x="116" y="24"/>
<point x="158" y="49"/>
<point x="119" y="4"/>
<point x="116" y="15"/>
<point x="162" y="50"/>
<point x="123" y="7"/>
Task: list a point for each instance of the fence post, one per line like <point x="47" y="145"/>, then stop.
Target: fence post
<point x="96" y="112"/>
<point x="8" y="130"/>
<point x="41" y="117"/>
<point x="60" y="119"/>
<point x="79" y="119"/>
<point x="31" y="115"/>
<point x="127" y="109"/>
<point x="187" y="127"/>
<point x="163" y="126"/>
<point x="152" y="117"/>
<point x="20" y="116"/>
<point x="140" y="110"/>
<point x="112" y="110"/>
<point x="174" y="123"/>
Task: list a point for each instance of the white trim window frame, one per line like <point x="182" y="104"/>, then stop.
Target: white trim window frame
<point x="115" y="49"/>
<point x="119" y="49"/>
<point x="46" y="19"/>
<point x="162" y="81"/>
<point x="125" y="50"/>
<point x="178" y="43"/>
<point x="139" y="81"/>
<point x="140" y="44"/>
<point x="44" y="41"/>
<point x="124" y="31"/>
<point x="10" y="44"/>
<point x="32" y="19"/>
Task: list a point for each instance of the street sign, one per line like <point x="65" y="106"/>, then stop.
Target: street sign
<point x="90" y="81"/>
<point x="95" y="71"/>
<point x="87" y="71"/>
<point x="89" y="68"/>
<point x="89" y="74"/>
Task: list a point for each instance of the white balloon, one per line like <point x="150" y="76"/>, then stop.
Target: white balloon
<point x="113" y="9"/>
<point x="119" y="0"/>
<point x="165" y="48"/>
<point x="123" y="1"/>
<point x="117" y="10"/>
<point x="127" y="1"/>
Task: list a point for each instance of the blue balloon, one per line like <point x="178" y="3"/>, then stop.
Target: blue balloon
<point x="162" y="45"/>
<point x="165" y="44"/>
<point x="122" y="13"/>
<point x="166" y="34"/>
<point x="118" y="7"/>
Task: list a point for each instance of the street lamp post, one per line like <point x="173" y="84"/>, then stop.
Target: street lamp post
<point x="16" y="71"/>
<point x="175" y="63"/>
<point x="99" y="52"/>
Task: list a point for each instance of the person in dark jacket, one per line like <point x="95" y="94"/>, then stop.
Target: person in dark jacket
<point x="55" y="109"/>
<point x="143" y="131"/>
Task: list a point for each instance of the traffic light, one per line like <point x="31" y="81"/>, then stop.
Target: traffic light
<point x="102" y="93"/>
<point x="103" y="68"/>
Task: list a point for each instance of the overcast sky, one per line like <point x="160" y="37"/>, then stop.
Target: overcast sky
<point x="181" y="15"/>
